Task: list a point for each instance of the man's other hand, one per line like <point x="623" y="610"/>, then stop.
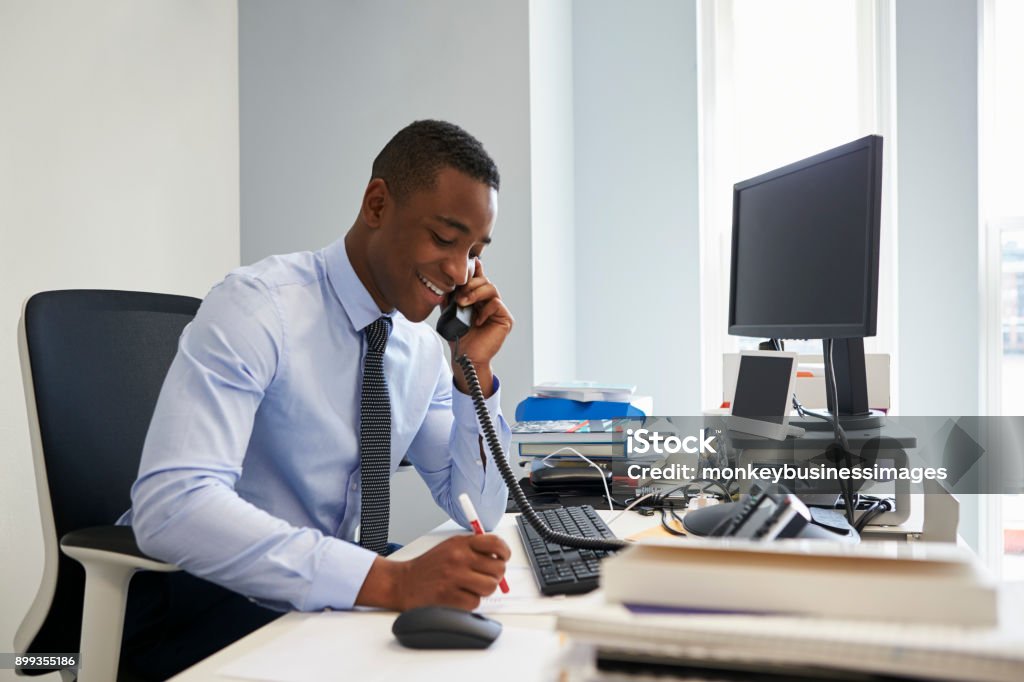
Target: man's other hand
<point x="458" y="573"/>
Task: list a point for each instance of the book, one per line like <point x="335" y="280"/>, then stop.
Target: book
<point x="602" y="450"/>
<point x="575" y="462"/>
<point x="917" y="582"/>
<point x="809" y="646"/>
<point x="571" y="431"/>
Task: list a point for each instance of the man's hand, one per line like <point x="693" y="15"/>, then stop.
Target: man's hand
<point x="457" y="572"/>
<point x="492" y="322"/>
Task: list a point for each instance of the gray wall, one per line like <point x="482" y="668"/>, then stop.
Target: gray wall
<point x="637" y="258"/>
<point x="324" y="85"/>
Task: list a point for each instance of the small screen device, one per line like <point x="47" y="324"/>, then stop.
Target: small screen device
<point x="763" y="389"/>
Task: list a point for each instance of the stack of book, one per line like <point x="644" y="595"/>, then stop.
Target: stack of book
<point x="562" y="441"/>
<point x="802" y="609"/>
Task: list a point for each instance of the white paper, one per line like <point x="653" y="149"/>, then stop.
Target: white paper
<point x="524" y="598"/>
<point x="360" y="646"/>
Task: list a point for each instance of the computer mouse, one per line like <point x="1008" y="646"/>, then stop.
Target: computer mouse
<point x="442" y="627"/>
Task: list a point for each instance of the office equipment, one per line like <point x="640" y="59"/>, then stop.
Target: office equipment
<point x="559" y="569"/>
<point x="820" y="217"/>
<point x="454" y="321"/>
<point x="763" y="389"/>
<point x="810" y="380"/>
<point x="753" y="647"/>
<point x="500" y="460"/>
<point x="903" y="582"/>
<point x="440" y="627"/>
<point x="582" y="479"/>
<point x="767" y="515"/>
<point x="92" y="366"/>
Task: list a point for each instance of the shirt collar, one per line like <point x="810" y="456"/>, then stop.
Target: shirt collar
<point x="355" y="299"/>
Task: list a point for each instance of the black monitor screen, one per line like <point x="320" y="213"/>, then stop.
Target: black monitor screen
<point x="805" y="247"/>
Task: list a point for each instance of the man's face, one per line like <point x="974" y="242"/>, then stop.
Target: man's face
<point x="423" y="247"/>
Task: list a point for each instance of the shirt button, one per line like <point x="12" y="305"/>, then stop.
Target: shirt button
<point x="353" y="486"/>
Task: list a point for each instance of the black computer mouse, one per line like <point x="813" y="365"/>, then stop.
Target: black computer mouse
<point x="441" y="627"/>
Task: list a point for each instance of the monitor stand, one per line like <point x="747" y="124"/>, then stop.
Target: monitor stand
<point x="852" y="390"/>
<point x="873" y="420"/>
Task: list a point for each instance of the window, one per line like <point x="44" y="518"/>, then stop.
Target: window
<point x="781" y="81"/>
<point x="1003" y="239"/>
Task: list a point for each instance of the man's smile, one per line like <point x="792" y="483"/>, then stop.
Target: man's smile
<point x="433" y="288"/>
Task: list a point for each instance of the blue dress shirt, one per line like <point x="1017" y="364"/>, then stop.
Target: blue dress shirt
<point x="250" y="472"/>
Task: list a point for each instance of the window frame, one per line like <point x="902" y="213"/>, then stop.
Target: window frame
<point x="875" y="22"/>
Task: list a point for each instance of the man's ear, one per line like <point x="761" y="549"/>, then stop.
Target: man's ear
<point x="375" y="199"/>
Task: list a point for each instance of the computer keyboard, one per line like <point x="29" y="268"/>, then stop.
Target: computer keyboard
<point x="563" y="570"/>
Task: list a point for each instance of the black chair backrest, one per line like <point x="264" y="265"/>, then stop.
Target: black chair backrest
<point x="98" y="360"/>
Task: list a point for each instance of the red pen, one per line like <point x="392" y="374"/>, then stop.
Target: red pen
<point x="470" y="511"/>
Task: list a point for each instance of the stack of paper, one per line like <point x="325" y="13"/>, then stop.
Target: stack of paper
<point x="802" y="646"/>
<point x="585" y="391"/>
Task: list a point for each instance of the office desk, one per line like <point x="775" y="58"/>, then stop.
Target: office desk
<point x="528" y="629"/>
<point x="529" y="649"/>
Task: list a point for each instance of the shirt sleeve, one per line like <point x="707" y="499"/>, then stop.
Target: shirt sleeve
<point x="446" y="452"/>
<point x="184" y="506"/>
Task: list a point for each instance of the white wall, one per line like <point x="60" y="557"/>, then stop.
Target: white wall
<point x="637" y="258"/>
<point x="937" y="118"/>
<point x="937" y="80"/>
<point x="118" y="169"/>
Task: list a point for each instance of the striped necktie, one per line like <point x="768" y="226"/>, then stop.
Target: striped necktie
<point x="375" y="441"/>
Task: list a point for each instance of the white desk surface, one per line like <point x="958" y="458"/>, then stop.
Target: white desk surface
<point x="511" y="664"/>
<point x="380" y="621"/>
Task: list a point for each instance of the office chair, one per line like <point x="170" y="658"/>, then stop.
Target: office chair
<point x="92" y="366"/>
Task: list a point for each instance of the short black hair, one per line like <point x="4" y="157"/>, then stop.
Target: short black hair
<point x="411" y="159"/>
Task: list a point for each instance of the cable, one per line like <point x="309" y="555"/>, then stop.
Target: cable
<point x="604" y="479"/>
<point x="675" y="517"/>
<point x="837" y="428"/>
<point x="499" y="459"/>
<point x="631" y="505"/>
<point x="877" y="509"/>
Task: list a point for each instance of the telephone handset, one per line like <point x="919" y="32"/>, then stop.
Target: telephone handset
<point x="455" y="321"/>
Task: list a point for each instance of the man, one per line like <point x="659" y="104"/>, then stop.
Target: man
<point x="304" y="380"/>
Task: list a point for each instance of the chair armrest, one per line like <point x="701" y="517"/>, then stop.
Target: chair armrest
<point x="110" y="556"/>
<point x="110" y="544"/>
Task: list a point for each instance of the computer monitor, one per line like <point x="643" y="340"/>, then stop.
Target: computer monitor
<point x="805" y="260"/>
